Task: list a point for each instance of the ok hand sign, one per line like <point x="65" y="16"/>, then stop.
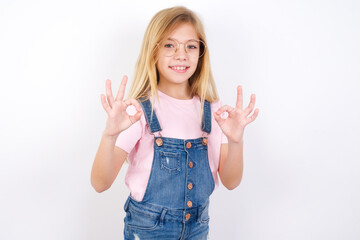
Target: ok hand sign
<point x="233" y="126"/>
<point x="118" y="119"/>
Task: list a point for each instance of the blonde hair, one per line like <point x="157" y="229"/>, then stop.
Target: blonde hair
<point x="146" y="75"/>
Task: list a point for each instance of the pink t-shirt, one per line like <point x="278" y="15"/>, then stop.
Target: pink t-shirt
<point x="178" y="119"/>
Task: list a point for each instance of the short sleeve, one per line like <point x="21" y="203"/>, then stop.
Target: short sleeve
<point x="128" y="138"/>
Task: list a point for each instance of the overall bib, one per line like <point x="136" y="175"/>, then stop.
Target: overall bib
<point x="176" y="201"/>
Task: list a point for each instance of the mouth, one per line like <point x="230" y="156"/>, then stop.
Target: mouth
<point x="179" y="69"/>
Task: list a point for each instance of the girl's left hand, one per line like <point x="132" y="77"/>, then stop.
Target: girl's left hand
<point x="233" y="126"/>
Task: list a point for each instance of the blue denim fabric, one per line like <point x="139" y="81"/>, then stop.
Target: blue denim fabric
<point x="164" y="212"/>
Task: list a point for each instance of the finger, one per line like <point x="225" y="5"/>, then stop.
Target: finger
<point x="121" y="91"/>
<point x="109" y="94"/>
<point x="239" y="98"/>
<point x="104" y="103"/>
<point x="253" y="117"/>
<point x="134" y="102"/>
<point x="251" y="105"/>
<point x="219" y="119"/>
<point x="224" y="108"/>
<point x="135" y="117"/>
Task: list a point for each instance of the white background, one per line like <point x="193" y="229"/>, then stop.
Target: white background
<point x="301" y="158"/>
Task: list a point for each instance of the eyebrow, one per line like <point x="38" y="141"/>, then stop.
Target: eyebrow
<point x="169" y="38"/>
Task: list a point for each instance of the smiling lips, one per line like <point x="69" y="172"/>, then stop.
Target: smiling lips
<point x="179" y="69"/>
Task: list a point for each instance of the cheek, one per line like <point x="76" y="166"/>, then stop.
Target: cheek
<point x="161" y="67"/>
<point x="193" y="70"/>
<point x="195" y="66"/>
<point x="195" y="63"/>
<point x="161" y="64"/>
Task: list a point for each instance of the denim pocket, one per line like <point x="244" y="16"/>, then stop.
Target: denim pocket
<point x="205" y="218"/>
<point x="140" y="221"/>
<point x="170" y="162"/>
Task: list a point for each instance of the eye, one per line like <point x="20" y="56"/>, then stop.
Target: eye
<point x="169" y="45"/>
<point x="191" y="46"/>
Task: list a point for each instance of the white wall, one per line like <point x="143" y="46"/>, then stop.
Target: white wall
<point x="301" y="157"/>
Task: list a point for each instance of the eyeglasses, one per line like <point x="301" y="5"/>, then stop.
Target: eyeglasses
<point x="195" y="48"/>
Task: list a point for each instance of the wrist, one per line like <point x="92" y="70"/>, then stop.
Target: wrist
<point x="106" y="135"/>
<point x="236" y="141"/>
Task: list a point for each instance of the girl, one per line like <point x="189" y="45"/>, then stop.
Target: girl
<point x="176" y="142"/>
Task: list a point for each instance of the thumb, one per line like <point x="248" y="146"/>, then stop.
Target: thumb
<point x="218" y="119"/>
<point x="137" y="116"/>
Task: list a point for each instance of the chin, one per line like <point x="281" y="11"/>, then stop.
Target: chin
<point x="180" y="79"/>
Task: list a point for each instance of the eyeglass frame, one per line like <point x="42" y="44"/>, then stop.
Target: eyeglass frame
<point x="178" y="45"/>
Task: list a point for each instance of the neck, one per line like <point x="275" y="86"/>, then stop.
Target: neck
<point x="176" y="91"/>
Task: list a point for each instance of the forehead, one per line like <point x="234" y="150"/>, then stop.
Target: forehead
<point x="183" y="32"/>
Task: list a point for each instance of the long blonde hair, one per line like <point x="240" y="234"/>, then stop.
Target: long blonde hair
<point x="146" y="75"/>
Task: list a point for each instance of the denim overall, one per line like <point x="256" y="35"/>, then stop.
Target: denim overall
<point x="176" y="201"/>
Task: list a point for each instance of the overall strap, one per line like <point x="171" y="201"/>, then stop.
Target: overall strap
<point x="206" y="119"/>
<point x="153" y="122"/>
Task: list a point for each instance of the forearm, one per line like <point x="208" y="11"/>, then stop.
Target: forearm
<point x="103" y="166"/>
<point x="232" y="171"/>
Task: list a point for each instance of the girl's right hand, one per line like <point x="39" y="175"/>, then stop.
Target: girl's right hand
<point x="118" y="119"/>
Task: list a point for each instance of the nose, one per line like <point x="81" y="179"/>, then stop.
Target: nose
<point x="181" y="52"/>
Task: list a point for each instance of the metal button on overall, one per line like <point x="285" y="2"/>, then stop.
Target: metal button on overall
<point x="189" y="204"/>
<point x="188" y="145"/>
<point x="190" y="186"/>
<point x="187" y="216"/>
<point x="191" y="164"/>
<point x="159" y="142"/>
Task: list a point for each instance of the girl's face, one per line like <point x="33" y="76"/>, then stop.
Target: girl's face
<point x="171" y="68"/>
